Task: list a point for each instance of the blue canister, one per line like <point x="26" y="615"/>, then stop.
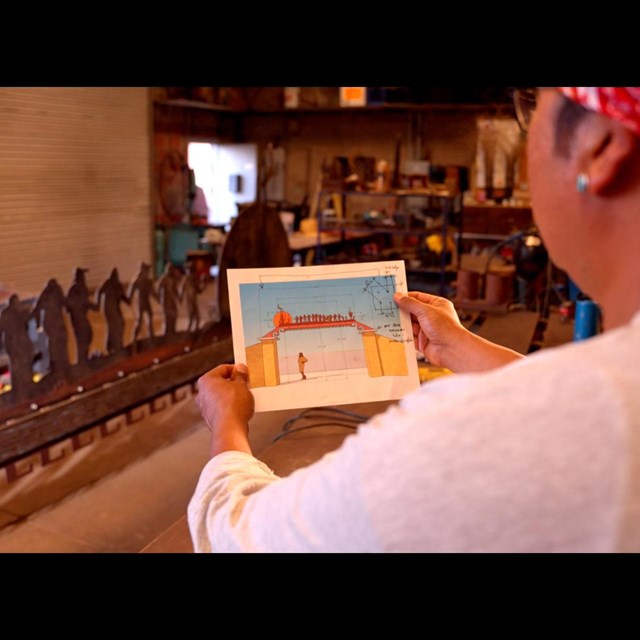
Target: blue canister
<point x="586" y="319"/>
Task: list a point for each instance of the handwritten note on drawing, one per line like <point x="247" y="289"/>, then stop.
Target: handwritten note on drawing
<point x="322" y="335"/>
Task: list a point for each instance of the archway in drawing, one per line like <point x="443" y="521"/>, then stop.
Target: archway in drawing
<point x="383" y="356"/>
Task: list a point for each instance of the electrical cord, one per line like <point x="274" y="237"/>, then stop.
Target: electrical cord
<point x="312" y="426"/>
<point x="345" y="414"/>
<point x="317" y="416"/>
<point x="338" y="417"/>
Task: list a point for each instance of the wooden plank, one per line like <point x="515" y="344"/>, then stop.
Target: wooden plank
<point x="23" y="435"/>
<point x="557" y="332"/>
<point x="303" y="448"/>
<point x="176" y="539"/>
<point x="513" y="330"/>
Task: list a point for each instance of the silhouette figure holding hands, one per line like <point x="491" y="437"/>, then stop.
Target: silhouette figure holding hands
<point x="78" y="304"/>
<point x="48" y="314"/>
<point x="191" y="288"/>
<point x="14" y="321"/>
<point x="168" y="296"/>
<point x="110" y="294"/>
<point x="144" y="286"/>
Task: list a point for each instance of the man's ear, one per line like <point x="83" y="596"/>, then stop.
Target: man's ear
<point x="606" y="150"/>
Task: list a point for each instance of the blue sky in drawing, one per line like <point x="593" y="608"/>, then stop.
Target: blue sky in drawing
<point x="370" y="299"/>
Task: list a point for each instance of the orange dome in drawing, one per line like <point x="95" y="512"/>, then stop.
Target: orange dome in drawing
<point x="281" y="318"/>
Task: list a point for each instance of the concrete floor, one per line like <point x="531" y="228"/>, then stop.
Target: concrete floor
<point x="128" y="508"/>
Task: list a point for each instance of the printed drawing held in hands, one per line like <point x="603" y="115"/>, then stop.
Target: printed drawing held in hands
<point x="335" y="328"/>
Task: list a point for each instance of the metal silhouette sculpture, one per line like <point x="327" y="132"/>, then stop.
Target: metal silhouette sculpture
<point x="48" y="313"/>
<point x="189" y="289"/>
<point x="168" y="296"/>
<point x="40" y="328"/>
<point x="14" y="328"/>
<point x="78" y="305"/>
<point x="110" y="294"/>
<point x="143" y="284"/>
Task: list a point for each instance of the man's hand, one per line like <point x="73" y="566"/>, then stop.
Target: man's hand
<point x="435" y="323"/>
<point x="439" y="335"/>
<point x="227" y="405"/>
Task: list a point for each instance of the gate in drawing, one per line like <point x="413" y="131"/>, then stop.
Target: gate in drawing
<point x="383" y="356"/>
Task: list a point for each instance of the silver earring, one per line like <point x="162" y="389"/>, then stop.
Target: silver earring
<point x="582" y="182"/>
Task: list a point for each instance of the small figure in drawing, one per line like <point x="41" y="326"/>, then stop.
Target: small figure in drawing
<point x="14" y="321"/>
<point x="302" y="360"/>
<point x="168" y="296"/>
<point x="144" y="286"/>
<point x="78" y="304"/>
<point x="190" y="288"/>
<point x="113" y="293"/>
<point x="48" y="314"/>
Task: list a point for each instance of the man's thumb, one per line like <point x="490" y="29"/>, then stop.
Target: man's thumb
<point x="241" y="371"/>
<point x="407" y="303"/>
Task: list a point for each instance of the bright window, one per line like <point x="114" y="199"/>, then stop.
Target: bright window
<point x="227" y="174"/>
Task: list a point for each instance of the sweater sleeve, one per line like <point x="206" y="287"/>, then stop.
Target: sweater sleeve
<point x="225" y="484"/>
<point x="241" y="505"/>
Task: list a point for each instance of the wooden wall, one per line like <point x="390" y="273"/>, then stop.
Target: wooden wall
<point x="75" y="184"/>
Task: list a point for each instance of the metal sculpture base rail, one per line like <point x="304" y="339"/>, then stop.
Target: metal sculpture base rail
<point x="113" y="395"/>
<point x="50" y="397"/>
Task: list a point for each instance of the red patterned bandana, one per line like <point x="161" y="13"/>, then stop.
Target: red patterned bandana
<point x="620" y="103"/>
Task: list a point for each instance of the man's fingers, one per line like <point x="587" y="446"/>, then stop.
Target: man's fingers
<point x="412" y="305"/>
<point x="221" y="371"/>
<point x="427" y="298"/>
<point x="224" y="372"/>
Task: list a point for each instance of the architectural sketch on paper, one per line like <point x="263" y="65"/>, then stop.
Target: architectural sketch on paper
<point x="347" y="328"/>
